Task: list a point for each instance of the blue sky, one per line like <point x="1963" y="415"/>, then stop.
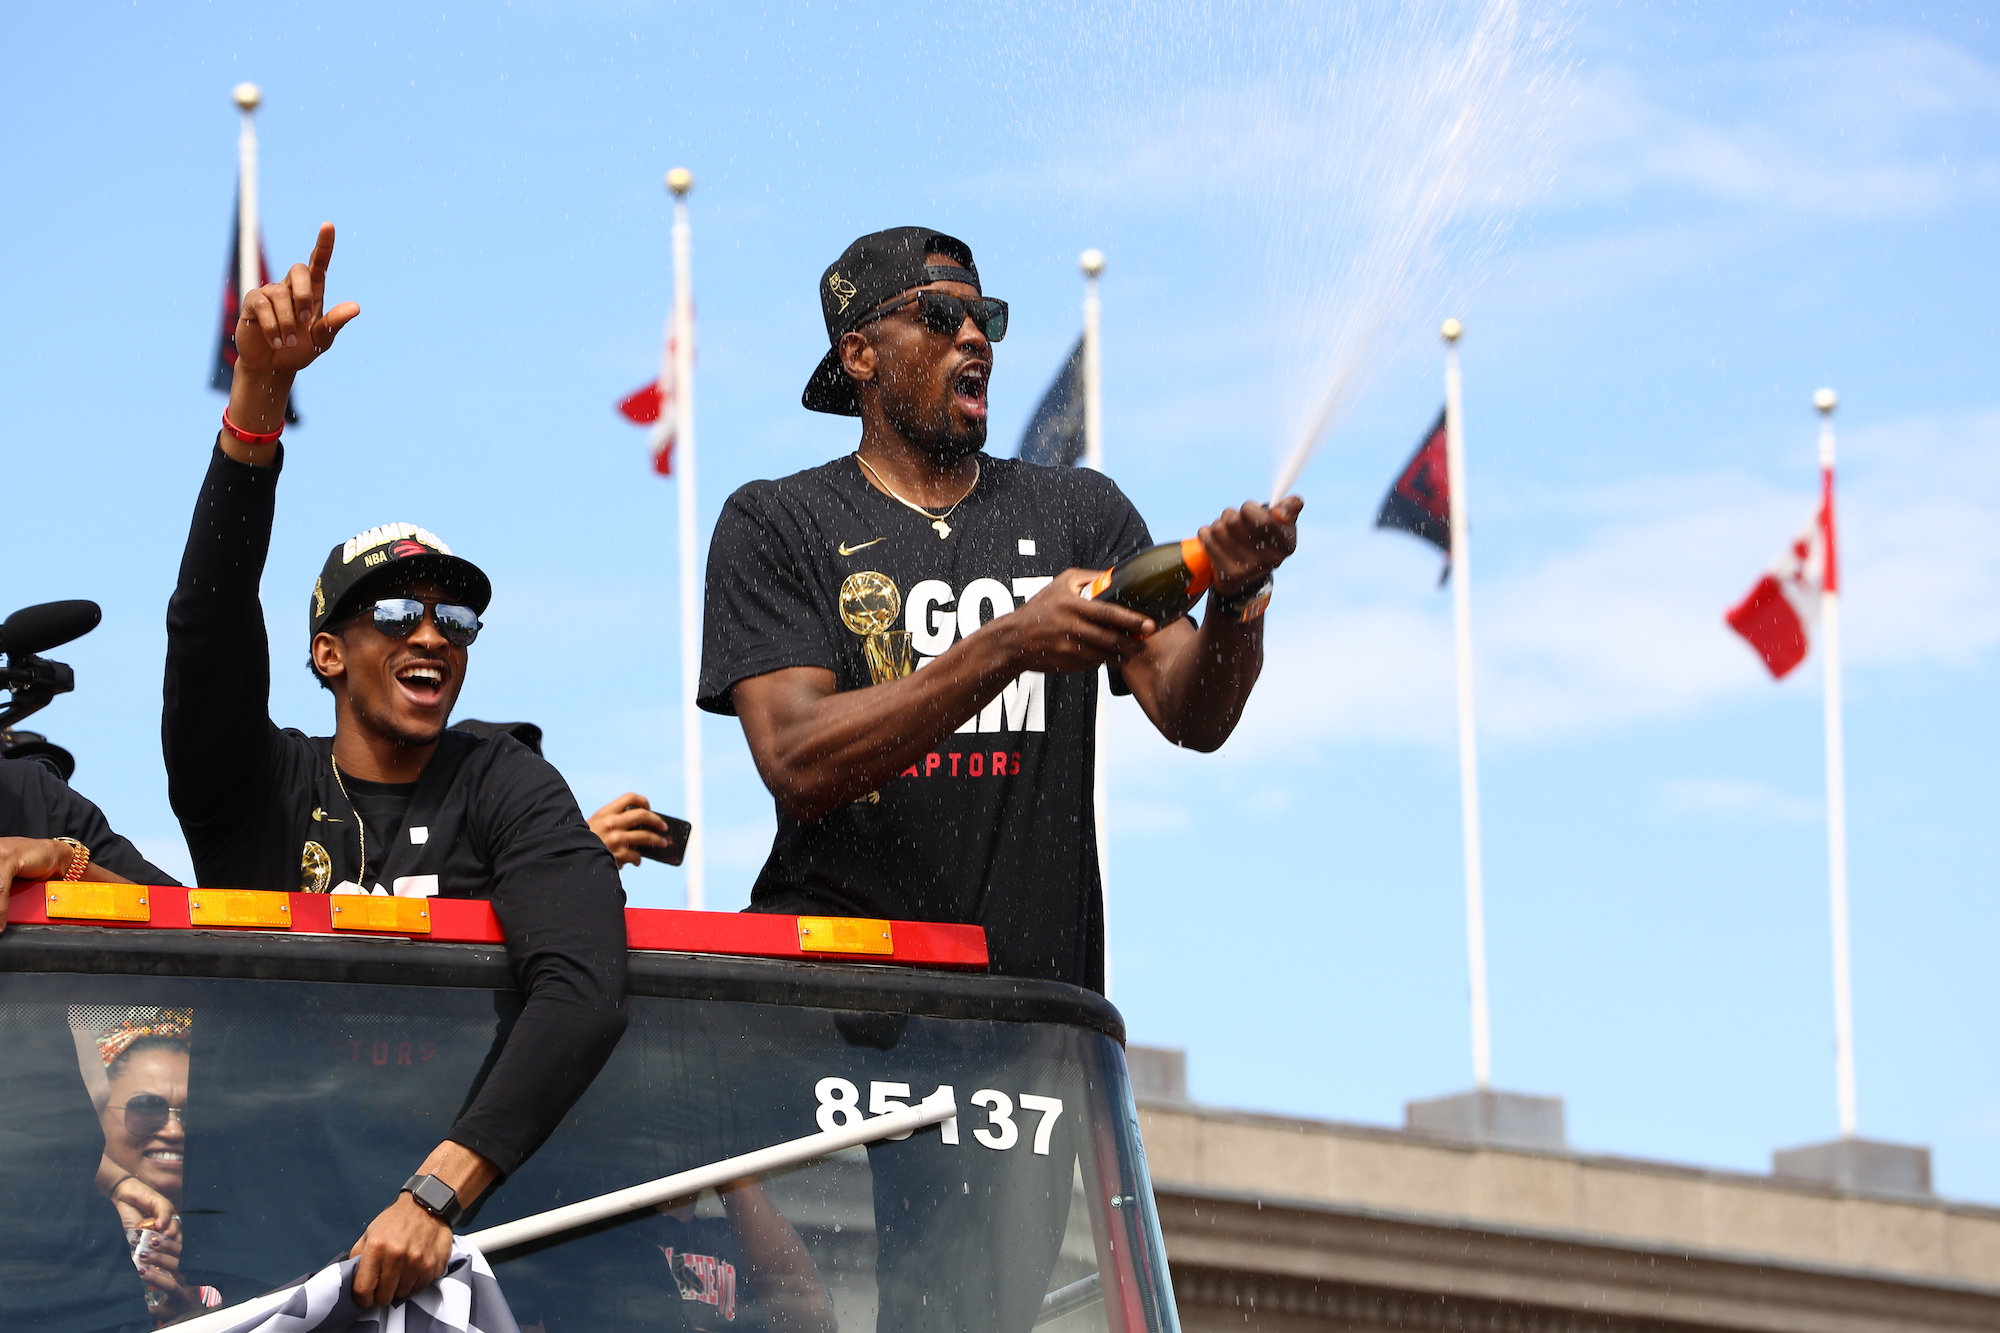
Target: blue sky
<point x="1678" y="222"/>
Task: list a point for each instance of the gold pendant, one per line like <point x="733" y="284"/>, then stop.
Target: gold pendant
<point x="943" y="528"/>
<point x="315" y="868"/>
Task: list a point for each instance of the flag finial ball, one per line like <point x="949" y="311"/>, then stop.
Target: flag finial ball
<point x="680" y="180"/>
<point x="246" y="96"/>
<point x="1451" y="330"/>
<point x="1091" y="262"/>
<point x="1826" y="400"/>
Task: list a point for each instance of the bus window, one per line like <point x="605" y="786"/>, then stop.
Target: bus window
<point x="295" y="1108"/>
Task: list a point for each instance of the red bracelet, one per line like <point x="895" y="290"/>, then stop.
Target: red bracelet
<point x="250" y="436"/>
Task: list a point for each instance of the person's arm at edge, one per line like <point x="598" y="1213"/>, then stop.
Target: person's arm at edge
<point x="1193" y="683"/>
<point x="41" y="859"/>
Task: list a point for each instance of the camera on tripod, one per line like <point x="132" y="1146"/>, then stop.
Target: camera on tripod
<point x="35" y="681"/>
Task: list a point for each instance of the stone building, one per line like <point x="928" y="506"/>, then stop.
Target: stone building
<point x="1281" y="1225"/>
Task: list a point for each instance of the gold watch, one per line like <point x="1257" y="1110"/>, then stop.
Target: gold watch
<point x="79" y="858"/>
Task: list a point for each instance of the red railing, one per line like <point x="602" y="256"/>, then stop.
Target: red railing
<point x="472" y="921"/>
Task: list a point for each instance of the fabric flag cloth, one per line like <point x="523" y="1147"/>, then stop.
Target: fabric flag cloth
<point x="1054" y="437"/>
<point x="654" y="406"/>
<point x="1780" y="611"/>
<point x="466" y="1299"/>
<point x="1420" y="501"/>
<point x="232" y="306"/>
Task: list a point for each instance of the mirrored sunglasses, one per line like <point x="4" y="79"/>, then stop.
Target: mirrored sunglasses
<point x="398" y="617"/>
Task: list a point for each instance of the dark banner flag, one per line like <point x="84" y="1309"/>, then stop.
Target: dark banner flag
<point x="232" y="305"/>
<point x="1054" y="437"/>
<point x="1420" y="501"/>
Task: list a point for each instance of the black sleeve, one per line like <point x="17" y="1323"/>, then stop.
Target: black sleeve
<point x="65" y="813"/>
<point x="556" y="891"/>
<point x="758" y="615"/>
<point x="215" y="728"/>
<point x="1113" y="530"/>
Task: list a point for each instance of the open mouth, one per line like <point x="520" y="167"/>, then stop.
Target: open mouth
<point x="968" y="389"/>
<point x="165" y="1157"/>
<point x="422" y="683"/>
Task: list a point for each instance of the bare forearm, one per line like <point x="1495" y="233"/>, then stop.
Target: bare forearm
<point x="843" y="746"/>
<point x="1198" y="693"/>
<point x="787" y="1281"/>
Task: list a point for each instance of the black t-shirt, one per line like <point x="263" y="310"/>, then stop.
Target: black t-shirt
<point x="383" y="807"/>
<point x="35" y="803"/>
<point x="994" y="826"/>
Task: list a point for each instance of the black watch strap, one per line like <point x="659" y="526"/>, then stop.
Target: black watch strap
<point x="435" y="1197"/>
<point x="1245" y="606"/>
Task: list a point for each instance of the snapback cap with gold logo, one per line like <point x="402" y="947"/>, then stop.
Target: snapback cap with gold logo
<point x="880" y="265"/>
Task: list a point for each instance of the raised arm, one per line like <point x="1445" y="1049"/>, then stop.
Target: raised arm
<point x="215" y="727"/>
<point x="1193" y="683"/>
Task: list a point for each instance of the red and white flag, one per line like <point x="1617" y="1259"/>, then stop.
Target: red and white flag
<point x="654" y="406"/>
<point x="1778" y="616"/>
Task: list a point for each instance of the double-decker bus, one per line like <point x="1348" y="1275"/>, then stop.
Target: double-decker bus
<point x="274" y="1064"/>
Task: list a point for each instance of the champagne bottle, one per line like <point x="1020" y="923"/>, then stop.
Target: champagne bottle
<point x="1162" y="584"/>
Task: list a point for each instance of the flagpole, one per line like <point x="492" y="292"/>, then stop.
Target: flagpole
<point x="1826" y="400"/>
<point x="249" y="276"/>
<point x="679" y="181"/>
<point x="1468" y="743"/>
<point x="1092" y="264"/>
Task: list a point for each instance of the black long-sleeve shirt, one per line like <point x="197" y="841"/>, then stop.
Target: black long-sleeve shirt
<point x="35" y="803"/>
<point x="489" y="818"/>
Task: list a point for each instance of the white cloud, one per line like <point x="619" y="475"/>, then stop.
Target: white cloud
<point x="1837" y="143"/>
<point x="1623" y="622"/>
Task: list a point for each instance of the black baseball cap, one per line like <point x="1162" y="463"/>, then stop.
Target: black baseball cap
<point x="878" y="266"/>
<point x="400" y="548"/>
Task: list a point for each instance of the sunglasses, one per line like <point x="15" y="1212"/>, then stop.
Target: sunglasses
<point x="398" y="617"/>
<point x="944" y="313"/>
<point x="148" y="1113"/>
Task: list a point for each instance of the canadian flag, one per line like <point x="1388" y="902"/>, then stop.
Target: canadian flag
<point x="1778" y="615"/>
<point x="654" y="406"/>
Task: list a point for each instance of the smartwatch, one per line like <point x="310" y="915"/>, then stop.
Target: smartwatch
<point x="435" y="1197"/>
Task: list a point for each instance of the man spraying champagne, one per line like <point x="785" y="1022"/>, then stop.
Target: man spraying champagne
<point x="957" y="787"/>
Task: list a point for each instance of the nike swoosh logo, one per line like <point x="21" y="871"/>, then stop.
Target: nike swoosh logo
<point x="845" y="549"/>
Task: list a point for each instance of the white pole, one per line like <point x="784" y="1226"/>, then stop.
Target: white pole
<point x="1092" y="263"/>
<point x="931" y="1110"/>
<point x="1836" y="779"/>
<point x="249" y="275"/>
<point x="680" y="181"/>
<point x="1468" y="742"/>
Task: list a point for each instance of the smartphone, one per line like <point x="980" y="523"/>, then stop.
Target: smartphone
<point x="677" y="843"/>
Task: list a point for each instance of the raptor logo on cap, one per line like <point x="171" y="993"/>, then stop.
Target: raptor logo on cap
<point x="842" y="289"/>
<point x="403" y="550"/>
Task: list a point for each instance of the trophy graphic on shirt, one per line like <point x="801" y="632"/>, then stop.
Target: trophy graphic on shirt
<point x="869" y="604"/>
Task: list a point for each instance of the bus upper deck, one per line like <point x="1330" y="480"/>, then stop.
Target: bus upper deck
<point x="274" y="1071"/>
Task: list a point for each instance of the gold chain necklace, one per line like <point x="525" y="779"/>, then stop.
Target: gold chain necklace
<point x="359" y="826"/>
<point x="936" y="520"/>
